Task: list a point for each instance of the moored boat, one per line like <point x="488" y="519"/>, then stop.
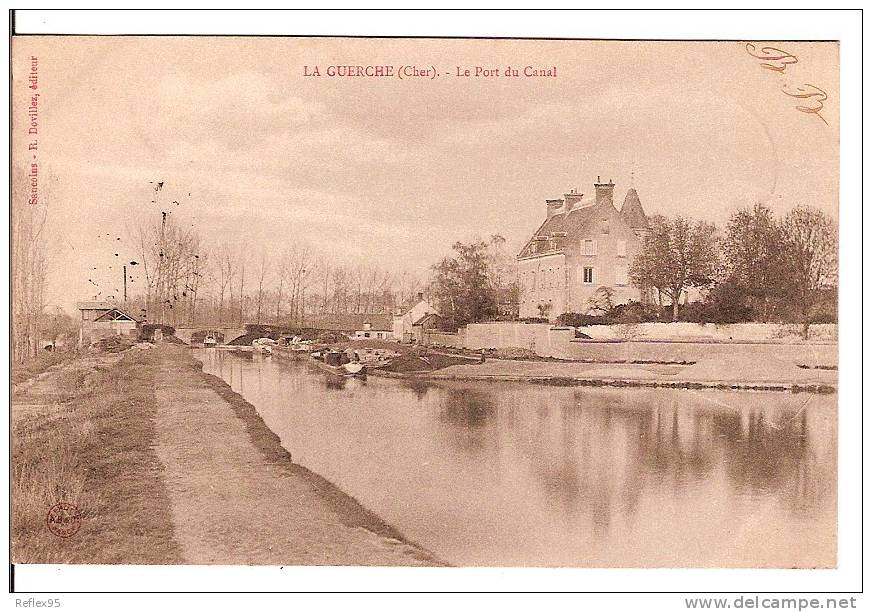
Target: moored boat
<point x="338" y="364"/>
<point x="263" y="345"/>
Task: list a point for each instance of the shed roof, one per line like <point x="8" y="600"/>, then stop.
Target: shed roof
<point x="115" y="314"/>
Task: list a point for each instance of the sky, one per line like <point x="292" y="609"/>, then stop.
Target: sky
<point x="390" y="171"/>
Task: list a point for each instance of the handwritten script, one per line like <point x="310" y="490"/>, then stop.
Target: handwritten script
<point x="778" y="61"/>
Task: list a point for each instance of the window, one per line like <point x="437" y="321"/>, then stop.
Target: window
<point x="588" y="247"/>
<point x="587" y="275"/>
<point x="621" y="274"/>
<point x="605" y="226"/>
<point x="622" y="248"/>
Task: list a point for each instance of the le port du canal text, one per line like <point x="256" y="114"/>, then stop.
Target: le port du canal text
<point x="414" y="71"/>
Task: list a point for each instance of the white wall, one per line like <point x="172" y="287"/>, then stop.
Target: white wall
<point x="734" y="332"/>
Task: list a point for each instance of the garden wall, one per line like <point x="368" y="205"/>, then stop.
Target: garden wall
<point x="454" y="340"/>
<point x="735" y="332"/>
<point x="657" y="342"/>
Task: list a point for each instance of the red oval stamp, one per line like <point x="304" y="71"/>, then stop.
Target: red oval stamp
<point x="63" y="520"/>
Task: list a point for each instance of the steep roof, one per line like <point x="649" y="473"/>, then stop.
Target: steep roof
<point x="570" y="223"/>
<point x="567" y="227"/>
<point x="410" y="306"/>
<point x="425" y="317"/>
<point x="632" y="211"/>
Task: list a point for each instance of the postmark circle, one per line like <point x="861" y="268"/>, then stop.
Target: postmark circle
<point x="63" y="520"/>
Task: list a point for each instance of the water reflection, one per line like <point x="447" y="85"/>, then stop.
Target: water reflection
<point x="488" y="474"/>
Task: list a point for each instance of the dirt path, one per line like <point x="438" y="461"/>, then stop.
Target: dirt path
<point x="235" y="496"/>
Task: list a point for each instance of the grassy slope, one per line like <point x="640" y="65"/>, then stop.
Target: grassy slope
<point x="24" y="370"/>
<point x="95" y="452"/>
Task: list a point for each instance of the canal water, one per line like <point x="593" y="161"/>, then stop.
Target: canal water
<point x="511" y="474"/>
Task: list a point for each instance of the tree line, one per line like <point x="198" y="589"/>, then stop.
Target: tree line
<point x="761" y="267"/>
<point x="189" y="283"/>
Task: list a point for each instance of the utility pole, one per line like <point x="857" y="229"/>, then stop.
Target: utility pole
<point x="124" y="268"/>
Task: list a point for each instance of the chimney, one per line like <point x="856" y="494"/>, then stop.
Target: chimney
<point x="604" y="192"/>
<point x="552" y="207"/>
<point x="572" y="198"/>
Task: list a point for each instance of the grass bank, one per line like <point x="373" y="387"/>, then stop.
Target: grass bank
<point x="27" y="369"/>
<point x="350" y="511"/>
<point x="94" y="451"/>
<point x="263" y="509"/>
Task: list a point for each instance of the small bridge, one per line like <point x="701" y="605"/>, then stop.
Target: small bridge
<point x="222" y="334"/>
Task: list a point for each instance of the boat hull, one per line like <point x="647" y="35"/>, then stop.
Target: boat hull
<point x="338" y="370"/>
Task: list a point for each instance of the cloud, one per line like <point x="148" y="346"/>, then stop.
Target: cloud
<point x="234" y="111"/>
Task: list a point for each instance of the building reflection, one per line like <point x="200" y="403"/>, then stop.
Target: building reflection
<point x="468" y="416"/>
<point x="596" y="453"/>
<point x="491" y="473"/>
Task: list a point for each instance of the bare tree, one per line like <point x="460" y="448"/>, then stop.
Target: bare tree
<point x="300" y="269"/>
<point x="170" y="258"/>
<point x="283" y="265"/>
<point x="810" y="245"/>
<point x="242" y="257"/>
<point x="677" y="255"/>
<point x="28" y="266"/>
<point x="225" y="264"/>
<point x="263" y="266"/>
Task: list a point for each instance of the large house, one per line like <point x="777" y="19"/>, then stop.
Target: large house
<point x="583" y="244"/>
<point x="102" y="319"/>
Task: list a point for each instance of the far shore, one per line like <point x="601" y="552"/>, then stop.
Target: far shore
<point x="621" y="375"/>
<point x="740" y="366"/>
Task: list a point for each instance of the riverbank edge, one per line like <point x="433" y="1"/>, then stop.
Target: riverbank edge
<point x="350" y="510"/>
<point x="581" y="381"/>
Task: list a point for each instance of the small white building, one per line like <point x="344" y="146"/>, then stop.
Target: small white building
<point x="102" y="319"/>
<point x="368" y="333"/>
<point x="404" y="321"/>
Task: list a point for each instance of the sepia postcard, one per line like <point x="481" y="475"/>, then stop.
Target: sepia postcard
<point x="424" y="301"/>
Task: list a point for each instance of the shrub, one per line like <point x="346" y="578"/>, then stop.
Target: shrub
<point x="826" y="310"/>
<point x="726" y="303"/>
<point x="695" y="312"/>
<point x="634" y="312"/>
<point x="602" y="301"/>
